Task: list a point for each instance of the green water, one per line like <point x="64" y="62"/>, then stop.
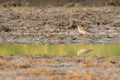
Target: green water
<point x="61" y="50"/>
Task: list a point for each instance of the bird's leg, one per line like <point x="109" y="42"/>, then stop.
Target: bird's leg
<point x="84" y="39"/>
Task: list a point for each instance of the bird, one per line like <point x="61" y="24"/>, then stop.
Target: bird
<point x="83" y="32"/>
<point x="75" y="24"/>
<point x="83" y="52"/>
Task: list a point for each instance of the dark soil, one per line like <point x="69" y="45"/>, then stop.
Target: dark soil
<point x="59" y="3"/>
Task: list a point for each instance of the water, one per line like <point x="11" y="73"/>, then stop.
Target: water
<point x="61" y="50"/>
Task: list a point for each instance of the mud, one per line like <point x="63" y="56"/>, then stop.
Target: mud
<point x="44" y="67"/>
<point x="55" y="25"/>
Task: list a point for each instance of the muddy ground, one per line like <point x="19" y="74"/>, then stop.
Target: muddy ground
<point x="44" y="67"/>
<point x="59" y="24"/>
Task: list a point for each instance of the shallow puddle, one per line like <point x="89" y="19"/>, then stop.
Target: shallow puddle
<point x="61" y="50"/>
